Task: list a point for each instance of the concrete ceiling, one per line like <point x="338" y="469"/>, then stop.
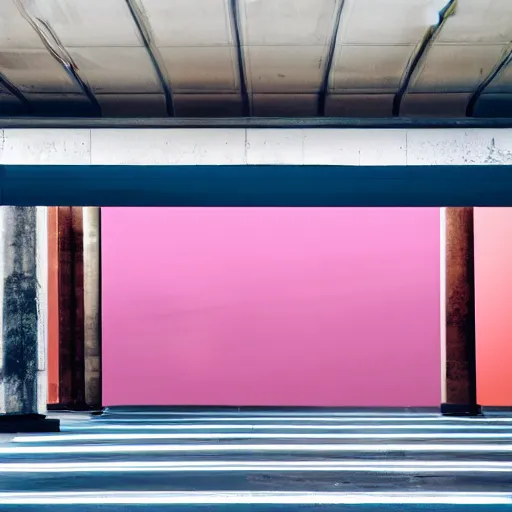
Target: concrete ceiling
<point x="262" y="58"/>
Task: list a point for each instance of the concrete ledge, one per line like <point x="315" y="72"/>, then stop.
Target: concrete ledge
<point x="497" y="409"/>
<point x="69" y="408"/>
<point x="23" y="423"/>
<point x="461" y="410"/>
<point x="254" y="122"/>
<point x="127" y="409"/>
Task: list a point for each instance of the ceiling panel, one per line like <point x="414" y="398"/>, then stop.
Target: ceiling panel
<point x="117" y="70"/>
<point x="201" y="69"/>
<point x="287" y="22"/>
<point x="466" y="51"/>
<point x="285" y="45"/>
<point x="435" y="105"/>
<point x="132" y="105"/>
<point x="387" y="21"/>
<point x="369" y="68"/>
<point x="479" y="21"/>
<point x="376" y="40"/>
<point x="4" y="91"/>
<point x="494" y="105"/>
<point x="9" y="104"/>
<point x="195" y="44"/>
<point x="26" y="63"/>
<point x="285" y="105"/>
<point x="503" y="82"/>
<point x="454" y="68"/>
<point x="359" y="105"/>
<point x="208" y="105"/>
<point x="63" y="105"/>
<point x="36" y="71"/>
<point x="285" y="68"/>
<point x="15" y="32"/>
<point x="90" y="23"/>
<point x="103" y="41"/>
<point x="189" y="22"/>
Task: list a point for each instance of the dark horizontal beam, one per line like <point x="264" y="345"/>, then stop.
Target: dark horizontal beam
<point x="310" y="186"/>
<point x="255" y="122"/>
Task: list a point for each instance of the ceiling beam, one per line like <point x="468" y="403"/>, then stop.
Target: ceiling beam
<point x="144" y="29"/>
<point x="256" y="185"/>
<point x="329" y="59"/>
<point x="234" y="14"/>
<point x="12" y="89"/>
<point x="254" y="122"/>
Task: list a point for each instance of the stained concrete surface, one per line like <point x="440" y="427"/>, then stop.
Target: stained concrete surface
<point x="260" y="460"/>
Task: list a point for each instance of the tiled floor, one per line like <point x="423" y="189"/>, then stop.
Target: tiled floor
<point x="261" y="460"/>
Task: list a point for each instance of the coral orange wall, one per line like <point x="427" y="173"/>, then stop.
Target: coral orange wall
<point x="493" y="281"/>
<point x="53" y="307"/>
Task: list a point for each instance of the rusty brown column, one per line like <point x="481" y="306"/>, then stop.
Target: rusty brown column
<point x="71" y="309"/>
<point x="459" y="394"/>
<point x="74" y="348"/>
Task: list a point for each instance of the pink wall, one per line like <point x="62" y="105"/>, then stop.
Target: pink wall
<point x="327" y="307"/>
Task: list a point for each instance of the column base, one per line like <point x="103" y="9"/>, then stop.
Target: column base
<point x="25" y="423"/>
<point x="74" y="407"/>
<point x="461" y="410"/>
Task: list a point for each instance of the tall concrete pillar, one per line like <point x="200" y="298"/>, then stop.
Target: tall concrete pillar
<point x="23" y="319"/>
<point x="92" y="305"/>
<point x="458" y="331"/>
